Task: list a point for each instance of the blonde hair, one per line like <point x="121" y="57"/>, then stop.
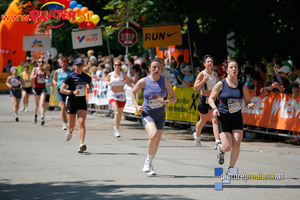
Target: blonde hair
<point x="90" y="52"/>
<point x="118" y="60"/>
<point x="93" y="69"/>
<point x="85" y="69"/>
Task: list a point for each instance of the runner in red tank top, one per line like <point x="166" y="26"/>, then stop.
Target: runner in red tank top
<point x="38" y="76"/>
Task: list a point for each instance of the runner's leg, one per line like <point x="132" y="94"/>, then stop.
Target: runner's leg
<point x="237" y="136"/>
<point x="81" y="117"/>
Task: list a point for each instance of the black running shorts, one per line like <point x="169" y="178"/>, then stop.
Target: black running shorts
<point x="227" y="123"/>
<point x="75" y="104"/>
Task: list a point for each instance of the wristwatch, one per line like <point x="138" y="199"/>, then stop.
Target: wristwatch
<point x="214" y="108"/>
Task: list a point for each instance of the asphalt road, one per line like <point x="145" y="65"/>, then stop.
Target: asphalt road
<point x="37" y="163"/>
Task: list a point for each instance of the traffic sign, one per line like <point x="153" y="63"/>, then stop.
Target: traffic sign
<point x="127" y="37"/>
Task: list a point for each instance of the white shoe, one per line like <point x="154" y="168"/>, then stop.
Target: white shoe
<point x="217" y="142"/>
<point x="26" y="109"/>
<point x="197" y="140"/>
<point x="146" y="166"/>
<point x="23" y="108"/>
<point x="68" y="136"/>
<point x="151" y="170"/>
<point x="64" y="127"/>
<point x="116" y="132"/>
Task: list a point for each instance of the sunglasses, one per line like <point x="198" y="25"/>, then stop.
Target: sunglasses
<point x="41" y="62"/>
<point x="80" y="65"/>
<point x="117" y="64"/>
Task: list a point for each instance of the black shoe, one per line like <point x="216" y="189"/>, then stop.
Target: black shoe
<point x="17" y="119"/>
<point x="220" y="155"/>
<point x="82" y="148"/>
<point x="42" y="122"/>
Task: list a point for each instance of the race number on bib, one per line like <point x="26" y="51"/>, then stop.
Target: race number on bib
<point x="27" y="83"/>
<point x="41" y="79"/>
<point x="153" y="102"/>
<point x="81" y="89"/>
<point x="234" y="105"/>
<point x="119" y="97"/>
<point x="14" y="82"/>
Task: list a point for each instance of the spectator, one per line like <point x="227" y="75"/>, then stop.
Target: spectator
<point x="251" y="61"/>
<point x="261" y="68"/>
<point x="130" y="64"/>
<point x="100" y="71"/>
<point x="93" y="71"/>
<point x="143" y="69"/>
<point x="248" y="73"/>
<point x="136" y="73"/>
<point x="189" y="78"/>
<point x="267" y="88"/>
<point x="7" y="67"/>
<point x="281" y="81"/>
<point x="167" y="63"/>
<point x="175" y="72"/>
<point x="121" y="57"/>
<point x="217" y="73"/>
<point x="91" y="56"/>
<point x="270" y="74"/>
<point x="258" y="83"/>
<point x="181" y="64"/>
<point x="146" y="59"/>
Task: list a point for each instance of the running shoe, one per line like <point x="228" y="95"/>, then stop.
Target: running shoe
<point x="64" y="127"/>
<point x="116" y="132"/>
<point x="220" y="155"/>
<point x="68" y="136"/>
<point x="35" y="120"/>
<point x="16" y="118"/>
<point x="146" y="166"/>
<point x="151" y="170"/>
<point x="26" y="109"/>
<point x="42" y="122"/>
<point x="197" y="140"/>
<point x="23" y="108"/>
<point x="82" y="148"/>
<point x="217" y="142"/>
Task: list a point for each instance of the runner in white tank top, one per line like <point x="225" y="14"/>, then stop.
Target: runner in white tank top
<point x="205" y="82"/>
<point x="117" y="98"/>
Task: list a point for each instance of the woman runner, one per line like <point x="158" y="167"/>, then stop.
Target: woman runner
<point x="26" y="90"/>
<point x="205" y="81"/>
<point x="59" y="76"/>
<point x="38" y="76"/>
<point x="152" y="112"/>
<point x="76" y="101"/>
<point x="14" y="82"/>
<point x="228" y="112"/>
<point x="117" y="98"/>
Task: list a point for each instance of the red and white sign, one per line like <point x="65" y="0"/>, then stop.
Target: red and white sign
<point x="127" y="37"/>
<point x="5" y="51"/>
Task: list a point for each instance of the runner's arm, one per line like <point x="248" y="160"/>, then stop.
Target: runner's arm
<point x="171" y="92"/>
<point x="199" y="82"/>
<point x="246" y="97"/>
<point x="8" y="82"/>
<point x="138" y="86"/>
<point x="214" y="94"/>
<point x="55" y="78"/>
<point x="33" y="75"/>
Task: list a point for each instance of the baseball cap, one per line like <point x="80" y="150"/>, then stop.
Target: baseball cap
<point x="78" y="61"/>
<point x="187" y="68"/>
<point x="284" y="69"/>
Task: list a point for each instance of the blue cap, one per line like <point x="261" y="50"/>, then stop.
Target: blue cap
<point x="78" y="61"/>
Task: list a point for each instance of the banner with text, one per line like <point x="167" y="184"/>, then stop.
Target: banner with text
<point x="99" y="94"/>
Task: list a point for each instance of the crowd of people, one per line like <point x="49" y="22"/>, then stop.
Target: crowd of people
<point x="222" y="88"/>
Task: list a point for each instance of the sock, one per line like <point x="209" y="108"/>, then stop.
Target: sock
<point x="35" y="116"/>
<point x="42" y="118"/>
<point x="64" y="123"/>
<point x="149" y="157"/>
<point x="71" y="131"/>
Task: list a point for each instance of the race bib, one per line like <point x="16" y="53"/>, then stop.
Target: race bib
<point x="81" y="89"/>
<point x="119" y="97"/>
<point x="27" y="83"/>
<point x="41" y="79"/>
<point x="14" y="82"/>
<point x="234" y="105"/>
<point x="153" y="102"/>
<point x="206" y="101"/>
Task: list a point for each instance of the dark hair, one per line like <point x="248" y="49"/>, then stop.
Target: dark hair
<point x="230" y="61"/>
<point x="130" y="59"/>
<point x="268" y="57"/>
<point x="143" y="66"/>
<point x="249" y="70"/>
<point x="173" y="63"/>
<point x="156" y="60"/>
<point x="261" y="66"/>
<point x="136" y="68"/>
<point x="267" y="83"/>
<point x="252" y="60"/>
<point x="102" y="66"/>
<point x="278" y="61"/>
<point x="256" y="76"/>
<point x="180" y="58"/>
<point x="121" y="57"/>
<point x="207" y="55"/>
<point x="9" y="61"/>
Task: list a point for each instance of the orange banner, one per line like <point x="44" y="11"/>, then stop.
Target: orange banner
<point x="275" y="111"/>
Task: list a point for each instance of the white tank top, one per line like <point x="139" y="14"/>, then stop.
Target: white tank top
<point x="116" y="81"/>
<point x="211" y="81"/>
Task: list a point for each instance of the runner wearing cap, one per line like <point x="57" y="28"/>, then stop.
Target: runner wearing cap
<point x="117" y="98"/>
<point x="229" y="112"/>
<point x="38" y="76"/>
<point x="59" y="76"/>
<point x="152" y="112"/>
<point x="76" y="83"/>
<point x="205" y="82"/>
<point x="14" y="82"/>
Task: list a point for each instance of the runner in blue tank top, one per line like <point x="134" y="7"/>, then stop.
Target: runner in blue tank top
<point x="228" y="113"/>
<point x="152" y="112"/>
<point x="59" y="76"/>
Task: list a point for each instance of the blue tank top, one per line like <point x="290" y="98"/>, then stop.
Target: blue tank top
<point x="61" y="77"/>
<point x="15" y="82"/>
<point x="153" y="90"/>
<point x="231" y="99"/>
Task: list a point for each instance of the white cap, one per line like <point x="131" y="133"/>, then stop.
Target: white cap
<point x="285" y="69"/>
<point x="187" y="68"/>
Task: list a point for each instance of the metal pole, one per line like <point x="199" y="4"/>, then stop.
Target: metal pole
<point x="126" y="53"/>
<point x="191" y="58"/>
<point x="108" y="48"/>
